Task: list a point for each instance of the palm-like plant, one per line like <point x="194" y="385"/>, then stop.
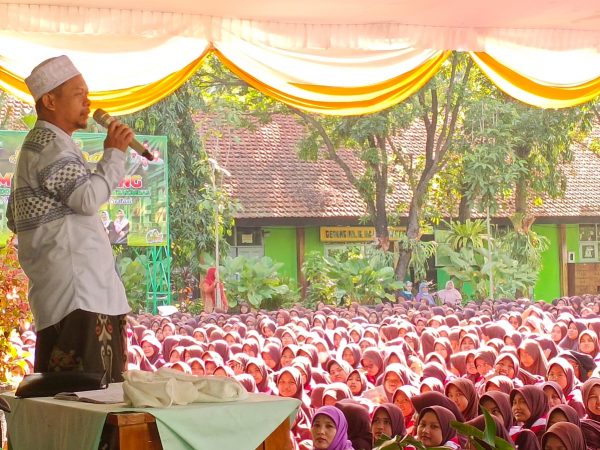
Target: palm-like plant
<point x="471" y="233"/>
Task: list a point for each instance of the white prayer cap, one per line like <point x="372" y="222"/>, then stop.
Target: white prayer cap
<point x="49" y="74"/>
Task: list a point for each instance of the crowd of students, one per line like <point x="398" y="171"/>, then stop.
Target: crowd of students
<point x="402" y="369"/>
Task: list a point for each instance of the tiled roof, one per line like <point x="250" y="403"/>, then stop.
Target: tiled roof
<point x="582" y="196"/>
<point x="271" y="181"/>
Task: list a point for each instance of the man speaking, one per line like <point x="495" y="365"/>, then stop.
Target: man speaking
<point x="77" y="299"/>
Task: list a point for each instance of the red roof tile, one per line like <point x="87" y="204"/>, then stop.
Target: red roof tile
<point x="271" y="181"/>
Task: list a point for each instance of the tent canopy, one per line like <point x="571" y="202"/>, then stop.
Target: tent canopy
<point x="334" y="56"/>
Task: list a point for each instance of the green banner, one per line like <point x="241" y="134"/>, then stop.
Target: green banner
<point x="137" y="212"/>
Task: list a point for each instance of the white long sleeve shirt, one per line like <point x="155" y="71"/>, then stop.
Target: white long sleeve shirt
<point x="63" y="247"/>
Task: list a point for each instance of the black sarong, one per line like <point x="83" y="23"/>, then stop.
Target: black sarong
<point x="84" y="341"/>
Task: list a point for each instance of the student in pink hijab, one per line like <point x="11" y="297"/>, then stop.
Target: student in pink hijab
<point x="329" y="430"/>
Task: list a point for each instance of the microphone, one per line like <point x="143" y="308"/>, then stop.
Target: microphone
<point x="104" y="119"/>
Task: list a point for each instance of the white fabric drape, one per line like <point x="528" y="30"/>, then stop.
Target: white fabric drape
<point x="548" y="67"/>
<point x="107" y="62"/>
<point x="121" y="49"/>
<point x="286" y="69"/>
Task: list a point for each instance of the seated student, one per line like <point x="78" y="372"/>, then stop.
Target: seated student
<point x="591" y="398"/>
<point x="359" y="423"/>
<point x="498" y="405"/>
<point x="561" y="372"/>
<point x="289" y="385"/>
<point x="530" y="410"/>
<point x="258" y="369"/>
<point x="434" y="429"/>
<point x="402" y="399"/>
<point x="462" y="392"/>
<point x="588" y="344"/>
<point x="532" y="357"/>
<point x="563" y="436"/>
<point x="582" y="364"/>
<point x="329" y="430"/>
<point x="591" y="425"/>
<point x="372" y="363"/>
<point x="394" y="376"/>
<point x="527" y="439"/>
<point x="499" y="383"/>
<point x="422" y="401"/>
<point x="554" y="393"/>
<point x="357" y="382"/>
<point x="387" y="420"/>
<point x="562" y="413"/>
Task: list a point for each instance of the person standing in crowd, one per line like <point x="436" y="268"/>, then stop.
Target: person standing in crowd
<point x="213" y="292"/>
<point x="76" y="296"/>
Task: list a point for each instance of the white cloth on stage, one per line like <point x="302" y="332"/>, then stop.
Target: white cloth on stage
<point x="167" y="387"/>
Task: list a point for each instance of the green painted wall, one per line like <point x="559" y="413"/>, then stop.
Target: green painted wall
<point x="548" y="285"/>
<point x="312" y="240"/>
<point x="280" y="246"/>
<point x="573" y="240"/>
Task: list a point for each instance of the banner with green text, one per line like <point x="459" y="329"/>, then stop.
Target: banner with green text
<point x="137" y="212"/>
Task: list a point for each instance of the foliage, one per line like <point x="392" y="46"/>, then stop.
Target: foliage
<point x="483" y="440"/>
<point x="532" y="145"/>
<point x="470" y="260"/>
<point x="420" y="253"/>
<point x="372" y="140"/>
<point x="255" y="280"/>
<point x="192" y="198"/>
<point x="193" y="306"/>
<point x="14" y="308"/>
<point x="351" y="276"/>
<point x="467" y="234"/>
<point x="525" y="245"/>
<point x="133" y="276"/>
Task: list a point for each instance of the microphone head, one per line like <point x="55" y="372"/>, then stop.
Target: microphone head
<point x="102" y="117"/>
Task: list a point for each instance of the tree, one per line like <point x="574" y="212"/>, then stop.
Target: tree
<point x="439" y="105"/>
<point x="192" y="198"/>
<point x="512" y="151"/>
<point x="373" y="139"/>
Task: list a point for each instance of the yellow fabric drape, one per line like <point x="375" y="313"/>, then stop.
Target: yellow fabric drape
<point x="531" y="92"/>
<point x="120" y="101"/>
<point x="345" y="101"/>
<point x="334" y="100"/>
<point x="127" y="101"/>
<point x="14" y="85"/>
